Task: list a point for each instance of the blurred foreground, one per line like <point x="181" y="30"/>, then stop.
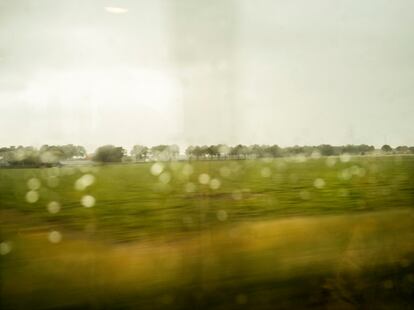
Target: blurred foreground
<point x="267" y="234"/>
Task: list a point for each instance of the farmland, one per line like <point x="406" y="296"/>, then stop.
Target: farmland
<point x="294" y="232"/>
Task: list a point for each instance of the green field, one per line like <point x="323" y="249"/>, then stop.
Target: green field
<point x="268" y="233"/>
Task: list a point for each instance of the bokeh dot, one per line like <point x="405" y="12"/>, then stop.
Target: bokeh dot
<point x="32" y="196"/>
<point x="54" y="237"/>
<point x="88" y="201"/>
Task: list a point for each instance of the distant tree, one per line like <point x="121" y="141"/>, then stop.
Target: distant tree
<point x="204" y="151"/>
<point x="349" y="148"/>
<point x="223" y="150"/>
<point x="357" y="149"/>
<point x="402" y="149"/>
<point x="165" y="152"/>
<point x="80" y="151"/>
<point x="156" y="150"/>
<point x="174" y="151"/>
<point x="139" y="152"/>
<point x="326" y="149"/>
<point x="51" y="154"/>
<point x="71" y="151"/>
<point x="213" y="151"/>
<point x="23" y="156"/>
<point x="308" y="150"/>
<point x="364" y="148"/>
<point x="196" y="151"/>
<point x="256" y="150"/>
<point x="386" y="148"/>
<point x="274" y="151"/>
<point x="292" y="150"/>
<point x="189" y="152"/>
<point x="239" y="151"/>
<point x="109" y="153"/>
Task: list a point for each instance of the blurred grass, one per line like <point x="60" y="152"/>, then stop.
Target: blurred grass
<point x="131" y="203"/>
<point x="269" y="235"/>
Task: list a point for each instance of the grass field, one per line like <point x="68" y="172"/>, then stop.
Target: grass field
<point x="298" y="232"/>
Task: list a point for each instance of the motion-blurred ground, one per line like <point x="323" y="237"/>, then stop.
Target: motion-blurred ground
<point x="332" y="233"/>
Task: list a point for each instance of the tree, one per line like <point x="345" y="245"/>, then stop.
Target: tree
<point x="50" y="154"/>
<point x="258" y="150"/>
<point x="364" y="148"/>
<point x="274" y="150"/>
<point x="109" y="153"/>
<point x="174" y="151"/>
<point x="402" y="149"/>
<point x="189" y="152"/>
<point x="224" y="150"/>
<point x="213" y="151"/>
<point x="239" y="151"/>
<point x="139" y="152"/>
<point x="326" y="149"/>
<point x="386" y="148"/>
<point x="165" y="152"/>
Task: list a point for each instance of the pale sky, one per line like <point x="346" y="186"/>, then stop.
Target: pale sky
<point x="214" y="71"/>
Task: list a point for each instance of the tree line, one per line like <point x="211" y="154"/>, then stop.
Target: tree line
<point x="46" y="155"/>
<point x="50" y="155"/>
<point x="241" y="151"/>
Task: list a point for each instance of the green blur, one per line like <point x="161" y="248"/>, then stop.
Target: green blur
<point x="275" y="233"/>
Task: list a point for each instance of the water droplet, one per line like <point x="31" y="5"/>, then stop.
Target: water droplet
<point x="33" y="184"/>
<point x="345" y="157"/>
<point x="319" y="183"/>
<point x="53" y="181"/>
<point x="225" y="172"/>
<point x="156" y="169"/>
<point x="215" y="184"/>
<point x="204" y="178"/>
<point x="266" y="172"/>
<point x="32" y="196"/>
<point x="165" y="177"/>
<point x="55" y="237"/>
<point x="305" y="195"/>
<point x="316" y="155"/>
<point x="300" y="158"/>
<point x="84" y="181"/>
<point x="53" y="207"/>
<point x="358" y="171"/>
<point x="88" y="201"/>
<point x="5" y="248"/>
<point x="190" y="187"/>
<point x="221" y="215"/>
<point x="345" y="174"/>
<point x="237" y="195"/>
<point x="187" y="170"/>
<point x="331" y="161"/>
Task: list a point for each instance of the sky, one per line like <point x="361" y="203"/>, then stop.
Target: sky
<point x="205" y="72"/>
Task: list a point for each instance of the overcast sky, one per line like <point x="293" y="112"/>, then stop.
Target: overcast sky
<point x="218" y="71"/>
